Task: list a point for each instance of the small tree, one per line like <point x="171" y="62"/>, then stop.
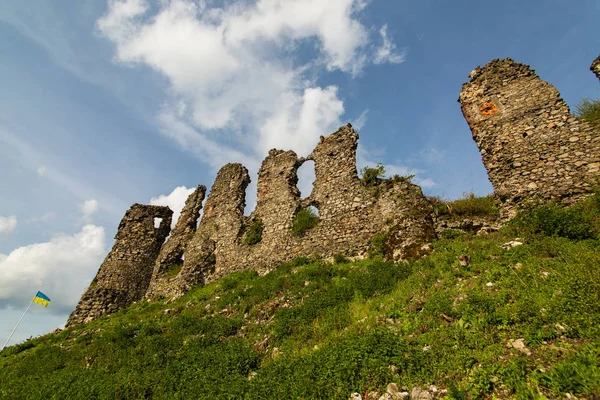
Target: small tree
<point x="588" y="110"/>
<point x="370" y="175"/>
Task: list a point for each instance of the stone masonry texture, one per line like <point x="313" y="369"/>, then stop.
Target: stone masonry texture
<point x="125" y="274"/>
<point x="596" y="67"/>
<point x="171" y="253"/>
<point x="350" y="214"/>
<point x="531" y="145"/>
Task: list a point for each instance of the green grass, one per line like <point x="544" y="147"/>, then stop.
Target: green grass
<point x="316" y="330"/>
<point x="581" y="221"/>
<point x="467" y="206"/>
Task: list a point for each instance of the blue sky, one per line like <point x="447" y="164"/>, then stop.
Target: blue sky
<point x="104" y="104"/>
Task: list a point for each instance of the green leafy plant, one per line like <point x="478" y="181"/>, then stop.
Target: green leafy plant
<point x="588" y="110"/>
<point x="173" y="270"/>
<point x="370" y="176"/>
<point x="253" y="233"/>
<point x="305" y="219"/>
<point x="377" y="249"/>
<point x="581" y="221"/>
<point x="340" y="259"/>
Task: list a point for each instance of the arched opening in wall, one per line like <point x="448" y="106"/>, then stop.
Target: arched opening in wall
<point x="313" y="210"/>
<point x="306" y="178"/>
<point x="157" y="222"/>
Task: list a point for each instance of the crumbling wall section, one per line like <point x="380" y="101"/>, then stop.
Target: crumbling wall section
<point x="531" y="145"/>
<point x="218" y="233"/>
<point x="350" y="215"/>
<point x="125" y="274"/>
<point x="170" y="258"/>
<point x="596" y="67"/>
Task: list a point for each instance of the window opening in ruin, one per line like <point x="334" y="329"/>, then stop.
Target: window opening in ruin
<point x="306" y="178"/>
<point x="314" y="210"/>
<point x="157" y="222"/>
<point x="524" y="134"/>
<point x="200" y="214"/>
<point x="250" y="196"/>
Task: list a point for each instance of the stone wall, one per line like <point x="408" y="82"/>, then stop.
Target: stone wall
<point x="125" y="274"/>
<point x="170" y="256"/>
<point x="350" y="214"/>
<point x="531" y="145"/>
<point x="596" y="67"/>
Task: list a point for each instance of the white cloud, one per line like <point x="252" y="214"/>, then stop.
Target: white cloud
<point x="8" y="224"/>
<point x="41" y="171"/>
<point x="239" y="85"/>
<point x="386" y="53"/>
<point x="174" y="200"/>
<point x="61" y="268"/>
<point x="42" y="218"/>
<point x="88" y="208"/>
<point x="361" y="121"/>
<point x="303" y="119"/>
<point x="433" y="155"/>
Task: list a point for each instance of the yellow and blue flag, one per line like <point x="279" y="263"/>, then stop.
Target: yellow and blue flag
<point x="42" y="299"/>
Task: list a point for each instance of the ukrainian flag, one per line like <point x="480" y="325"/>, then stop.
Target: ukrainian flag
<point x="42" y="299"/>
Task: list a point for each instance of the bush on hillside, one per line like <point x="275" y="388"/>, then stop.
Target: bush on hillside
<point x="377" y="249"/>
<point x="467" y="206"/>
<point x="588" y="110"/>
<point x="581" y="221"/>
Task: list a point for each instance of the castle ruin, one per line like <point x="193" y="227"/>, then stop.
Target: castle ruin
<point x="350" y="215"/>
<point x="531" y="145"/>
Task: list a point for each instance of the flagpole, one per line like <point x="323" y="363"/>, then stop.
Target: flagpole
<point x="13" y="331"/>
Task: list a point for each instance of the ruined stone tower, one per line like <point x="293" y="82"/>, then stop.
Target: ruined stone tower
<point x="596" y="67"/>
<point x="125" y="274"/>
<point x="171" y="253"/>
<point x="531" y="145"/>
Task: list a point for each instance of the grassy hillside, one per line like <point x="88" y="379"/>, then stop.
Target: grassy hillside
<point x="313" y="330"/>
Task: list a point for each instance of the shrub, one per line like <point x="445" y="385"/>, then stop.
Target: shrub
<point x="581" y="221"/>
<point x="340" y="259"/>
<point x="467" y="206"/>
<point x="588" y="110"/>
<point x="377" y="249"/>
<point x="304" y="220"/>
<point x="254" y="232"/>
<point x="371" y="175"/>
<point x="401" y="178"/>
